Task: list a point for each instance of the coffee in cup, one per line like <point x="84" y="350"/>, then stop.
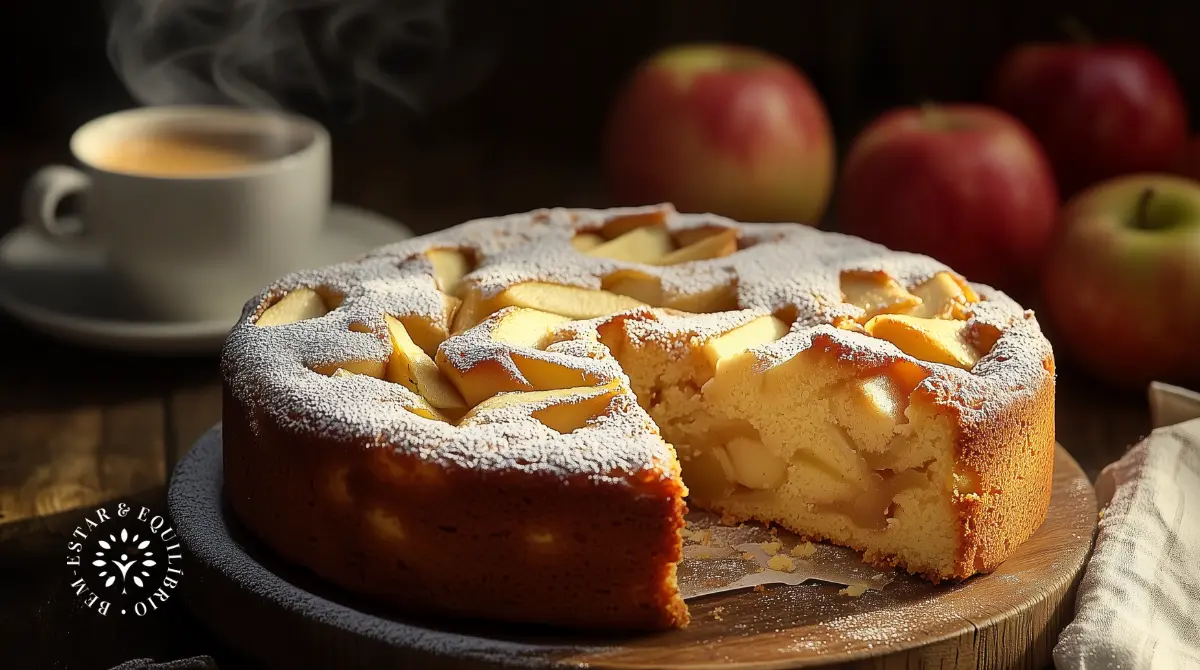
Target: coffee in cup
<point x="196" y="207"/>
<point x="183" y="153"/>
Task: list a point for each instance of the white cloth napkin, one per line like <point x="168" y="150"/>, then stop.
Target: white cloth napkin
<point x="1138" y="605"/>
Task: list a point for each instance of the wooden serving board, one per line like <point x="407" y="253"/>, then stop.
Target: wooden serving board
<point x="285" y="617"/>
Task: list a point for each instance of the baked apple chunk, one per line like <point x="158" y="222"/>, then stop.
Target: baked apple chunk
<point x="505" y="353"/>
<point x="876" y="293"/>
<point x="645" y="239"/>
<point x="943" y="296"/>
<point x="412" y="368"/>
<point x="429" y="332"/>
<point x="562" y="410"/>
<point x="449" y="268"/>
<point x="647" y="288"/>
<point x="719" y="245"/>
<point x="930" y="322"/>
<point x="298" y="305"/>
<point x="640" y="245"/>
<point x="944" y="341"/>
<point x="569" y="301"/>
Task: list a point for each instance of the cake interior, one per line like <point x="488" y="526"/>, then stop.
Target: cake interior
<point x="822" y="447"/>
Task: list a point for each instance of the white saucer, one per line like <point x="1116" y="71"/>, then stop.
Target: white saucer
<point x="69" y="293"/>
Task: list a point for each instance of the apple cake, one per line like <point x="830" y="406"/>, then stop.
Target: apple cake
<point x="504" y="419"/>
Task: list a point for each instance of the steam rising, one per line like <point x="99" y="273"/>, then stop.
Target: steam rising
<point x="267" y="53"/>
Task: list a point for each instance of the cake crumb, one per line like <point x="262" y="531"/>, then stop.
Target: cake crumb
<point x="748" y="556"/>
<point x="854" y="590"/>
<point x="759" y="588"/>
<point x="717" y="613"/>
<point x="781" y="563"/>
<point x="803" y="550"/>
<point x="771" y="548"/>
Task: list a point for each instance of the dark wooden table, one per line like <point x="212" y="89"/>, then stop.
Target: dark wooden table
<point x="81" y="427"/>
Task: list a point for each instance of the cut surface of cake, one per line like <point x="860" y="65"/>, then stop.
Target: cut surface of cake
<point x="508" y="419"/>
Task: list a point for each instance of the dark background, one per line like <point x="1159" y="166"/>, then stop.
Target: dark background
<point x="541" y="73"/>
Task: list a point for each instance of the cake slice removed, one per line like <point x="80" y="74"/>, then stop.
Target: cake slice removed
<point x="839" y="436"/>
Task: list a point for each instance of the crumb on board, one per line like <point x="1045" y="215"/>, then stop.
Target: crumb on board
<point x="717" y="613"/>
<point x="803" y="550"/>
<point x="781" y="563"/>
<point x="748" y="556"/>
<point x="854" y="590"/>
<point x="771" y="548"/>
<point x="759" y="588"/>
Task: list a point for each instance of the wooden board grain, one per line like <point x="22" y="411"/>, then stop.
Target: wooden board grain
<point x="283" y="616"/>
<point x="58" y="463"/>
<point x="68" y="445"/>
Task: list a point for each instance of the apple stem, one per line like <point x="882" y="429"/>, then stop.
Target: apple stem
<point x="933" y="116"/>
<point x="1076" y="31"/>
<point x="1141" y="214"/>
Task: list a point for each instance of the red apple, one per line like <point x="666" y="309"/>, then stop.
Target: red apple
<point x="723" y="129"/>
<point x="1122" y="281"/>
<point x="966" y="184"/>
<point x="1100" y="110"/>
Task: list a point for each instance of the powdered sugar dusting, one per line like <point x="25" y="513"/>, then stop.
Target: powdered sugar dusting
<point x="780" y="269"/>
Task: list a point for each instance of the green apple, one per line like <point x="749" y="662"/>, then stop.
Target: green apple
<point x="1122" y="280"/>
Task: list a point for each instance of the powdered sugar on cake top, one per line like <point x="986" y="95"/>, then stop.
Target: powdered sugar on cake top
<point x="780" y="269"/>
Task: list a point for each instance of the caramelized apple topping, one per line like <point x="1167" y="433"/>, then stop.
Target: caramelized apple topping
<point x="943" y="296"/>
<point x="846" y="323"/>
<point x="449" y="268"/>
<point x="933" y="340"/>
<point x="570" y="301"/>
<point x="412" y="368"/>
<point x="562" y="410"/>
<point x="620" y="225"/>
<point x="586" y="241"/>
<point x="651" y="243"/>
<point x="762" y="330"/>
<point x="876" y="293"/>
<point x="640" y="245"/>
<point x="929" y="323"/>
<point x="647" y="288"/>
<point x="690" y="236"/>
<point x="428" y="332"/>
<point x="298" y="305"/>
<point x="636" y="284"/>
<point x="722" y="244"/>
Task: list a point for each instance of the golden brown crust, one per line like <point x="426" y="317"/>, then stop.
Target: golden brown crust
<point x="465" y="549"/>
<point x="1011" y="457"/>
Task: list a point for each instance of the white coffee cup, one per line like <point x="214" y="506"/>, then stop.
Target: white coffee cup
<point x="196" y="207"/>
